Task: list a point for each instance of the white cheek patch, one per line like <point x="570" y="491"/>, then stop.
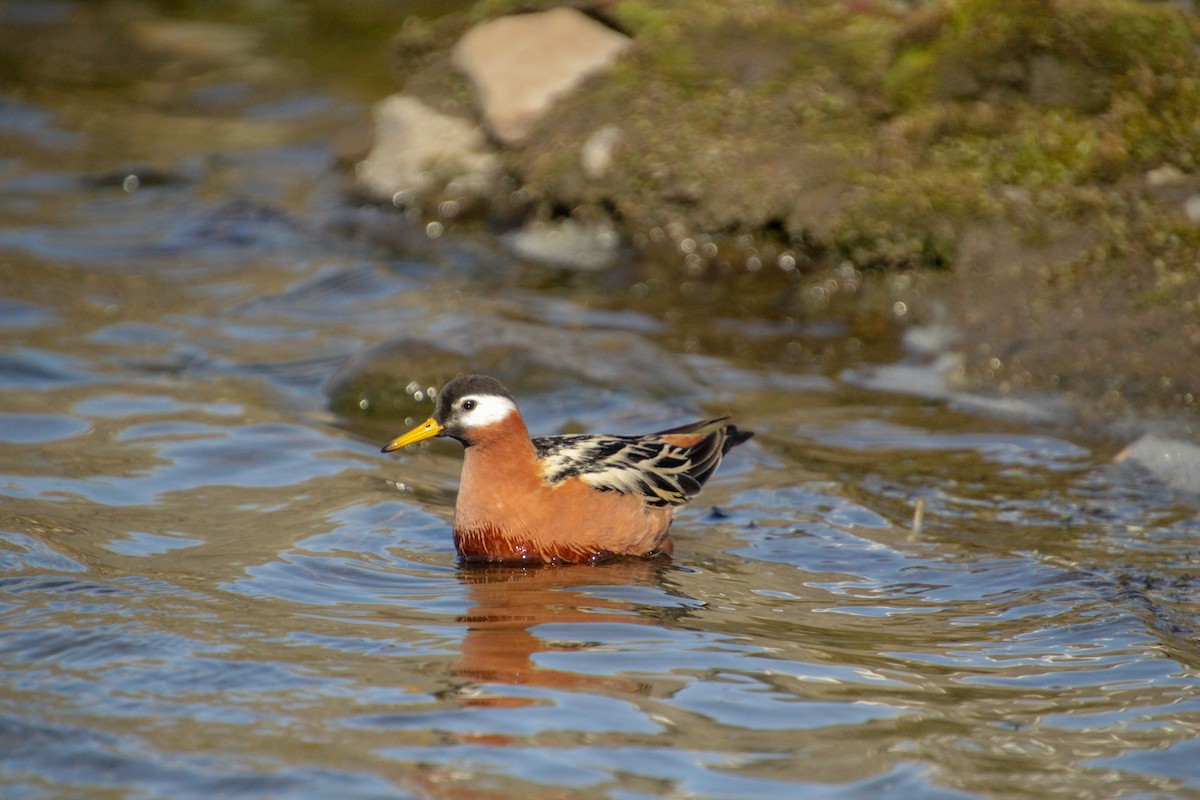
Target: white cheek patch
<point x="488" y="410"/>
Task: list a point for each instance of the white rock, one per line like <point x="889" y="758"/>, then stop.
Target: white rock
<point x="597" y="153"/>
<point x="519" y="65"/>
<point x="1173" y="461"/>
<point x="418" y="148"/>
<point x="1191" y="209"/>
<point x="566" y="243"/>
<point x="1166" y="175"/>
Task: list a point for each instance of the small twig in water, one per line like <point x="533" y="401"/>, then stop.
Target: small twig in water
<point x="918" y="517"/>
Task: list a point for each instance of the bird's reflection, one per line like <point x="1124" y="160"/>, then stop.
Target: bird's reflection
<point x="510" y="603"/>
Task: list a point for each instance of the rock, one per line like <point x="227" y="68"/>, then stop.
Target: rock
<point x="418" y="149"/>
<point x="1191" y="209"/>
<point x="566" y="243"/>
<point x="596" y="155"/>
<point x="1166" y="175"/>
<point x="392" y="378"/>
<point x="1173" y="461"/>
<point x="519" y="65"/>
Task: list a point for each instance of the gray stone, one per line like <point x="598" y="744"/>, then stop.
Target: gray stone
<point x="1173" y="461"/>
<point x="566" y="243"/>
<point x="418" y="149"/>
<point x="519" y="65"/>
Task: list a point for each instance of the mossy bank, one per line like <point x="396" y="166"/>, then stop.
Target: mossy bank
<point x="1032" y="163"/>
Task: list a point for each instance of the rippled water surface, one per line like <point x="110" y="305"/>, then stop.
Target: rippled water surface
<point x="212" y="583"/>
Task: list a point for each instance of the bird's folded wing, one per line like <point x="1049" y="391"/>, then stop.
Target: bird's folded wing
<point x="664" y="473"/>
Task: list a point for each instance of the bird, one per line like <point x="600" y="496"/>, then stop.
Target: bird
<point x="569" y="498"/>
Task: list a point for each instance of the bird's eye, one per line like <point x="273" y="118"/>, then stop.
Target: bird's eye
<point x="467" y="405"/>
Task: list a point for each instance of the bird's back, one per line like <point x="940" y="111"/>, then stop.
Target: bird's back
<point x="667" y="468"/>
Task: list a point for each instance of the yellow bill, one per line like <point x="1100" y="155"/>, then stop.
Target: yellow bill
<point x="426" y="430"/>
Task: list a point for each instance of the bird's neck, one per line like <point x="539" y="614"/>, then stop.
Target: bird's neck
<point x="500" y="454"/>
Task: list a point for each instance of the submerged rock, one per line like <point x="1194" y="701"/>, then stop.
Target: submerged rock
<point x="519" y="65"/>
<point x="393" y="379"/>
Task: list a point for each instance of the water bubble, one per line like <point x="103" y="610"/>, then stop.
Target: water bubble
<point x="754" y="263"/>
<point x="131" y="184"/>
<point x="899" y="308"/>
<point x="418" y="395"/>
<point x="434" y="229"/>
<point x="688" y="246"/>
<point x="449" y="208"/>
<point x="787" y="262"/>
<point x="709" y="250"/>
<point x="364" y="404"/>
<point x="412" y="387"/>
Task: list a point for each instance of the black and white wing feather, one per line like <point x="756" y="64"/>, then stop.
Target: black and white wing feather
<point x="664" y="472"/>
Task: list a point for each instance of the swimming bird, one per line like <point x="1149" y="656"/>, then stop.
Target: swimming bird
<point x="568" y="498"/>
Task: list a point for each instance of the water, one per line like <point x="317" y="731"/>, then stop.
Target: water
<point x="212" y="583"/>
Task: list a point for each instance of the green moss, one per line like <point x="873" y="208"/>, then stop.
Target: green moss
<point x="911" y="80"/>
<point x="1121" y="38"/>
<point x="643" y="20"/>
<point x="732" y="118"/>
<point x="1069" y="52"/>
